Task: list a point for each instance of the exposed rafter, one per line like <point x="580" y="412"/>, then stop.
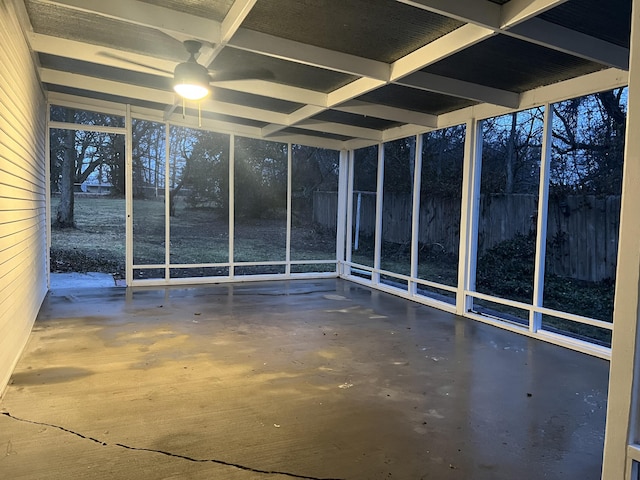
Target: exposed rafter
<point x="486" y="14"/>
<point x="517" y="19"/>
<point x="341" y="95"/>
<point x="98" y="54"/>
<point x="568" y="41"/>
<point x="459" y="88"/>
<point x="234" y="18"/>
<point x="111" y="87"/>
<point x="443" y="47"/>
<point x="182" y="25"/>
<point x="483" y="14"/>
<point x="341" y="129"/>
<point x="276" y="90"/>
<point x="308" y="54"/>
<point x="230" y="25"/>
<point x="359" y="107"/>
<point x="517" y="11"/>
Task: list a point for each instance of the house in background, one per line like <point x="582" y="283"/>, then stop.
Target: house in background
<point x="343" y="76"/>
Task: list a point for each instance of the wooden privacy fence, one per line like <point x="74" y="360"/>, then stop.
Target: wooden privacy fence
<point x="582" y="230"/>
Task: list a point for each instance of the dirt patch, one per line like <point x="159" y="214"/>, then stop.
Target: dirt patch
<point x="73" y="260"/>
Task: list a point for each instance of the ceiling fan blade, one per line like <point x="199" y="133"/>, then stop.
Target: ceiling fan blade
<point x="133" y="62"/>
<point x="243" y="74"/>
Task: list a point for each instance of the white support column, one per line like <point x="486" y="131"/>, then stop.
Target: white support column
<point x="341" y="220"/>
<point x="375" y="277"/>
<point x="535" y="318"/>
<point x="167" y="194"/>
<point x="288" y="239"/>
<point x="468" y="250"/>
<point x="622" y="403"/>
<point x="349" y="223"/>
<point x="128" y="197"/>
<point x="415" y="214"/>
<point x="232" y="220"/>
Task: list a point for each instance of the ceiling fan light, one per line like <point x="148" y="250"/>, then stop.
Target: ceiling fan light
<point x="191" y="91"/>
<point x="191" y="81"/>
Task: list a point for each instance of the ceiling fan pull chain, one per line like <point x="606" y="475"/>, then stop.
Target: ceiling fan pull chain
<point x="183" y="108"/>
<point x="199" y="114"/>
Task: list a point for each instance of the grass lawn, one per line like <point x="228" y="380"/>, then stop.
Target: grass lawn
<point x="98" y="242"/>
<point x="202" y="236"/>
<point x="197" y="236"/>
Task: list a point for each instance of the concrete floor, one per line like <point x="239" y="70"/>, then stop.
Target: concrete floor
<point x="83" y="280"/>
<point x="304" y="379"/>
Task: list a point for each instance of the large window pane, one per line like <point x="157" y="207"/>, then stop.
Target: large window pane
<point x="440" y="202"/>
<point x="508" y="205"/>
<point x="84" y="117"/>
<point x="148" y="193"/>
<point x="198" y="197"/>
<point x="584" y="209"/>
<point x="260" y="202"/>
<point x="365" y="172"/>
<point x="314" y="204"/>
<point x="397" y="208"/>
<point x="87" y="201"/>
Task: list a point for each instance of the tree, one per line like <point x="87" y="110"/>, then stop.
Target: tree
<point x="66" y="155"/>
<point x="208" y="179"/>
<point x="312" y="170"/>
<point x="260" y="175"/>
<point x="588" y="143"/>
<point x="442" y="162"/>
<point x="511" y="152"/>
<point x="399" y="164"/>
<point x="113" y="157"/>
<point x="76" y="154"/>
<point x="148" y="162"/>
<point x="365" y="168"/>
<point x="181" y="145"/>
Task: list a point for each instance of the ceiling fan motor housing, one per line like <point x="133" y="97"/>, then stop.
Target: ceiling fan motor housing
<point x="190" y="79"/>
<point x="191" y="72"/>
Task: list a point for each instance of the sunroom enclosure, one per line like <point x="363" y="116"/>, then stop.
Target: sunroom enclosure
<point x="510" y="219"/>
<point x="528" y="228"/>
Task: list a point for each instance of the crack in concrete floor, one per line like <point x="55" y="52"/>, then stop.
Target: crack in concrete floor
<point x="364" y="385"/>
<point x="168" y="454"/>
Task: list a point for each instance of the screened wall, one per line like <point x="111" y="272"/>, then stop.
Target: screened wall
<point x="538" y="195"/>
<point x="201" y="206"/>
<point x="512" y="219"/>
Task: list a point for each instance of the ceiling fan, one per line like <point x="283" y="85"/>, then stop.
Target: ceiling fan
<point x="192" y="80"/>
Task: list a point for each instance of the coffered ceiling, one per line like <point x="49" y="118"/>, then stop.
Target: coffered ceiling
<point x="343" y="73"/>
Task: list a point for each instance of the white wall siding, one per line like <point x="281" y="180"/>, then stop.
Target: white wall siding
<point x="23" y="246"/>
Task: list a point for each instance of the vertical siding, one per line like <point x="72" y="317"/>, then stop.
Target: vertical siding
<point x="23" y="268"/>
